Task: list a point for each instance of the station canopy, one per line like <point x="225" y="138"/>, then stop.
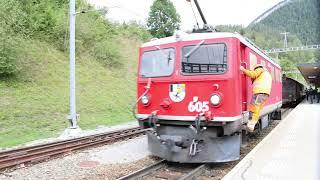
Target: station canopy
<point x="311" y="72"/>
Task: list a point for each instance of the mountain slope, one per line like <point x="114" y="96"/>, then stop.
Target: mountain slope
<point x="299" y="17"/>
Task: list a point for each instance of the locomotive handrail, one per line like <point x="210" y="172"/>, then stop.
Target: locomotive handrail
<point x="244" y="64"/>
<point x="245" y="85"/>
<point x="147" y="87"/>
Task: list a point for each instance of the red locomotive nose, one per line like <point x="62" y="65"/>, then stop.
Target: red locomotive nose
<point x="165" y="104"/>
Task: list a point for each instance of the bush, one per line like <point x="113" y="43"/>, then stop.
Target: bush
<point x="47" y="19"/>
<point x="12" y="18"/>
<point x="8" y="55"/>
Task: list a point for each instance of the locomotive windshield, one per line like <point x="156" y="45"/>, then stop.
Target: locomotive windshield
<point x="207" y="58"/>
<point x="157" y="63"/>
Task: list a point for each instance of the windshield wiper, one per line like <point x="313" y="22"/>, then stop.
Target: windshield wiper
<point x="169" y="57"/>
<point x="161" y="50"/>
<point x="164" y="54"/>
<point x="193" y="49"/>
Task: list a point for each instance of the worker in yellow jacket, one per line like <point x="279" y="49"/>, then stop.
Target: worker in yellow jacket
<point x="262" y="82"/>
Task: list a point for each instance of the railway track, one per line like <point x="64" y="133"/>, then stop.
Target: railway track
<point x="285" y="112"/>
<point x="32" y="154"/>
<point x="164" y="170"/>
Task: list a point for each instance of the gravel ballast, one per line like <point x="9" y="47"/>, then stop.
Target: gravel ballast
<point x="108" y="161"/>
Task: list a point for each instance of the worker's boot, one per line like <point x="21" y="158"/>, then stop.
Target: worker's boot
<point x="250" y="125"/>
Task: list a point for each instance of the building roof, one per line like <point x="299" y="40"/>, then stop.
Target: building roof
<point x="311" y="72"/>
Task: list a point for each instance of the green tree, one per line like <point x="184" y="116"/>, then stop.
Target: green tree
<point x="163" y="19"/>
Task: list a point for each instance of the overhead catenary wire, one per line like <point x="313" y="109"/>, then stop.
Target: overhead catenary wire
<point x="124" y="8"/>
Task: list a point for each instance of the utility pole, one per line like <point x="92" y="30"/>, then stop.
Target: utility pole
<point x="285" y="41"/>
<point x="72" y="22"/>
<point x="73" y="116"/>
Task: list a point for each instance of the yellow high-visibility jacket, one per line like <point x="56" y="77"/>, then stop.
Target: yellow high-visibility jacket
<point x="262" y="80"/>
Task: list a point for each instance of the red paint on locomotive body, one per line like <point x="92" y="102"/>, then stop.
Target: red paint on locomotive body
<point x="181" y="90"/>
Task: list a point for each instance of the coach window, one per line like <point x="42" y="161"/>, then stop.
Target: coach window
<point x="206" y="58"/>
<point x="157" y="63"/>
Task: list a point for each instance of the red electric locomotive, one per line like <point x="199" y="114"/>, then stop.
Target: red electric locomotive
<point x="191" y="91"/>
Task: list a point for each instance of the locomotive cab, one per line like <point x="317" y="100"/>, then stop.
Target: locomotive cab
<point x="191" y="92"/>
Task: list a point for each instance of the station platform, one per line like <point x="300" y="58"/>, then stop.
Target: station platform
<point x="290" y="151"/>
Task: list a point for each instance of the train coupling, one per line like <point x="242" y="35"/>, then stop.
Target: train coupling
<point x="193" y="148"/>
<point x="153" y="119"/>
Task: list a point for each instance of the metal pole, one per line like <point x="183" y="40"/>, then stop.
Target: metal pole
<point x="73" y="114"/>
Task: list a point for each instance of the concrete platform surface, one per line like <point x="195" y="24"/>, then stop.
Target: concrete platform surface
<point x="290" y="151"/>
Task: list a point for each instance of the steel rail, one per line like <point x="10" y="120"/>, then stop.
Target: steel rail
<point x="145" y="171"/>
<point x="285" y="112"/>
<point x="194" y="173"/>
<point x="158" y="165"/>
<point x="41" y="152"/>
<point x="42" y="146"/>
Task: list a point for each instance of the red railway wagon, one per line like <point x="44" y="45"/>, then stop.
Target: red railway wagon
<point x="191" y="91"/>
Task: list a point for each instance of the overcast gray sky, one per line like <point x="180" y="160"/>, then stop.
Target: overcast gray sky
<point x="216" y="11"/>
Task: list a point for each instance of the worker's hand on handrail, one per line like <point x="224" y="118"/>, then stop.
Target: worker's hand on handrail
<point x="242" y="68"/>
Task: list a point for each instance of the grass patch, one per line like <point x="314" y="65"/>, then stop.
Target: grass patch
<point x="35" y="103"/>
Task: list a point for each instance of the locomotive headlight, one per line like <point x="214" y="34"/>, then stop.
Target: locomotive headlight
<point x="145" y="100"/>
<point x="215" y="99"/>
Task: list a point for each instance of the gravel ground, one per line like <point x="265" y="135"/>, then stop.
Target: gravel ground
<point x="106" y="162"/>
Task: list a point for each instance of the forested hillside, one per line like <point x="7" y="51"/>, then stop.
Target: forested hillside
<point x="34" y="69"/>
<point x="299" y="17"/>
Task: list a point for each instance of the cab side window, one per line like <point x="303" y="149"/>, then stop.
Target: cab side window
<point x="206" y="58"/>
